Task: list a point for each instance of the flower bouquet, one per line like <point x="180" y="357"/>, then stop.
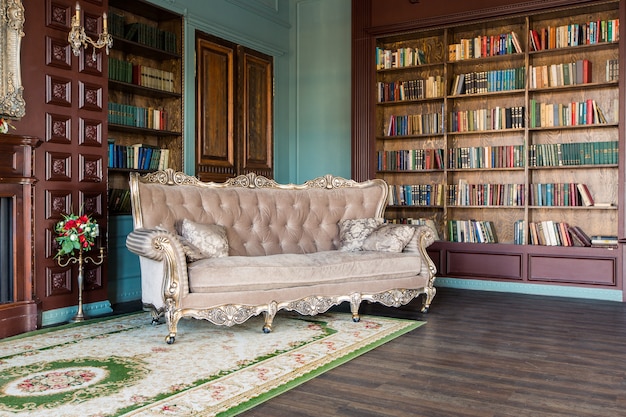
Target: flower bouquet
<point x="76" y="232"/>
<point x="5" y="125"/>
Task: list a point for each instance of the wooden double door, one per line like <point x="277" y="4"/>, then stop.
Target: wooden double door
<point x="234" y="110"/>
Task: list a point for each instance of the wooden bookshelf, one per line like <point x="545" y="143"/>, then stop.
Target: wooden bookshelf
<point x="488" y="69"/>
<point x="145" y="92"/>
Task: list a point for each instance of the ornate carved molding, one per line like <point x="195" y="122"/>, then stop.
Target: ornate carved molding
<point x="11" y="32"/>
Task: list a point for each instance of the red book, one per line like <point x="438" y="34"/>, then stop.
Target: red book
<point x="579" y="237"/>
<point x="589" y="116"/>
<point x="534" y="40"/>
<point x="137" y="74"/>
<point x="586" y="71"/>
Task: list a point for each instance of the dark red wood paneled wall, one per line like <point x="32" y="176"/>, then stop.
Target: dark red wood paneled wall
<point x="66" y="98"/>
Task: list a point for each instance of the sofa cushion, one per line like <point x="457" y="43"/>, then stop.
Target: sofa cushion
<point x="353" y="232"/>
<point x="266" y="273"/>
<point x="389" y="238"/>
<point x="204" y="240"/>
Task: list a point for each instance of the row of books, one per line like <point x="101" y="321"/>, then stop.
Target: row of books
<point x="502" y="156"/>
<point x="553" y="233"/>
<point x="464" y="194"/>
<point x="138" y="156"/>
<point x="489" y="81"/>
<point x="410" y="160"/>
<point x="119" y="200"/>
<point x="399" y="58"/>
<point x="564" y="154"/>
<point x="410" y="90"/>
<point x="417" y="222"/>
<point x="612" y="70"/>
<point x="565" y="114"/>
<point x="471" y="231"/>
<point x="480" y="120"/>
<point x="560" y="194"/>
<point x="142" y="75"/>
<point x="144" y="117"/>
<point x="472" y="157"/>
<point x="142" y="33"/>
<point x="575" y="34"/>
<point x="485" y="46"/>
<point x="416" y="195"/>
<point x="557" y="75"/>
<point x="415" y="124"/>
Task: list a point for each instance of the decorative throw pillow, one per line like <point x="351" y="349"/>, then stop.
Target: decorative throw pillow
<point x="353" y="232"/>
<point x="203" y="240"/>
<point x="389" y="238"/>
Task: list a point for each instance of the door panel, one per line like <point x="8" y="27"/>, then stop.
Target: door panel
<point x="215" y="112"/>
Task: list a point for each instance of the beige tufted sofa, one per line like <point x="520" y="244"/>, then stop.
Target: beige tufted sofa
<point x="286" y="248"/>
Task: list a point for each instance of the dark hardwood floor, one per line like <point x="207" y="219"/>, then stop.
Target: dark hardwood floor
<point x="480" y="354"/>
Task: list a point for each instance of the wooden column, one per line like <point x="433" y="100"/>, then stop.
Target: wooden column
<point x="16" y="182"/>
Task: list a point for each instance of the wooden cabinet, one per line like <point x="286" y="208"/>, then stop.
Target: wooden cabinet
<point x="145" y="117"/>
<point x="489" y="128"/>
<point x="233" y="110"/>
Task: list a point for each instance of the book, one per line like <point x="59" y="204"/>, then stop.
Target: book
<point x="579" y="237"/>
<point x="585" y="194"/>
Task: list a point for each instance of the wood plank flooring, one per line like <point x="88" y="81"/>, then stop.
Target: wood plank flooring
<point x="480" y="354"/>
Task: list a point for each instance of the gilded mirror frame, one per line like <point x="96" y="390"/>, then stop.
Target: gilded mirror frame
<point x="12" y="103"/>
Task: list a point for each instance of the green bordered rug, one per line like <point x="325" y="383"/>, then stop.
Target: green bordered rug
<point x="123" y="367"/>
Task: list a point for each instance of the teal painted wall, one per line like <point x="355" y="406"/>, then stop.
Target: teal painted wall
<point x="124" y="275"/>
<point x="310" y="43"/>
<point x="321" y="88"/>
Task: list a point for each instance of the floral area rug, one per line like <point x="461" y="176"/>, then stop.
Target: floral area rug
<point x="123" y="367"/>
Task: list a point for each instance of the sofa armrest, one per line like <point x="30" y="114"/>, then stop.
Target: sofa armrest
<point x="163" y="263"/>
<point x="423" y="238"/>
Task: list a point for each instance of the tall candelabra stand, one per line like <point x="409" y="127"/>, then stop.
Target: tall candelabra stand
<point x="81" y="260"/>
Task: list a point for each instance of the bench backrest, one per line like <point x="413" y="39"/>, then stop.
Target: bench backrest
<point x="261" y="217"/>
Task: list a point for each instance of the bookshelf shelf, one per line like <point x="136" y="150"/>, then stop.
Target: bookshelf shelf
<point x="142" y="130"/>
<point x="486" y="95"/>
<point x="143" y="91"/>
<point x="577" y="167"/>
<point x="406" y="102"/>
<point x="573" y="207"/>
<point x="408" y="171"/>
<point x="596" y="124"/>
<point x="575" y="87"/>
<point x="415" y="206"/>
<point x="422" y="67"/>
<point x="402" y="137"/>
<point x="568" y="50"/>
<point x="469" y="170"/>
<point x="488" y="60"/>
<point x="486" y="132"/>
<point x="137" y="48"/>
<point x="577" y="127"/>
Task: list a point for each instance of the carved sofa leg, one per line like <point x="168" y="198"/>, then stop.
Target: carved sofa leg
<point x="172" y="319"/>
<point x="355" y="303"/>
<point x="428" y="298"/>
<point x="269" y="315"/>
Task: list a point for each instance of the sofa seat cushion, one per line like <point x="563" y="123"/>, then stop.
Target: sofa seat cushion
<point x="265" y="273"/>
